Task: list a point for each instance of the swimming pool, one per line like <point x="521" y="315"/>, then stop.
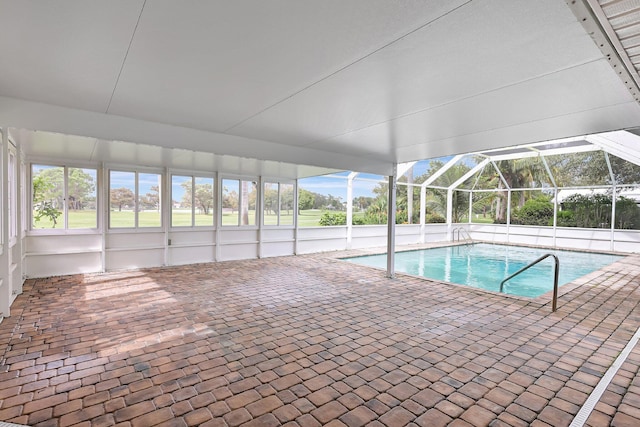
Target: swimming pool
<point x="485" y="265"/>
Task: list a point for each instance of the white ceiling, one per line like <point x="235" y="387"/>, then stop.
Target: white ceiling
<point x="340" y="84"/>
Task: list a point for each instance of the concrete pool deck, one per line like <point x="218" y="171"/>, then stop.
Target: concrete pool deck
<point x="311" y="340"/>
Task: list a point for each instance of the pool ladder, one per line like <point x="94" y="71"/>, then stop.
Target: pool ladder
<point x="554" y="303"/>
<point x="456" y="232"/>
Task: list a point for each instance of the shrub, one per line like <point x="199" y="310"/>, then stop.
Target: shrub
<point x="536" y="211"/>
<point x="333" y="218"/>
<point x="565" y="219"/>
<point x="434" y="219"/>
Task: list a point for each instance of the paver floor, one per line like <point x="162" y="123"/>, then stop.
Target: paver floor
<point x="311" y="340"/>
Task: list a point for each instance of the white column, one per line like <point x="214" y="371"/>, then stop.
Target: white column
<point x="423" y="212"/>
<point x="5" y="286"/>
<point x="260" y="211"/>
<point x="449" y="212"/>
<point x="391" y="225"/>
<point x="295" y="218"/>
<point x="350" y="178"/>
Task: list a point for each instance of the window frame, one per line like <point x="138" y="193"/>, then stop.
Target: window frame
<point x="194" y="176"/>
<point x="280" y="182"/>
<point x="136" y="171"/>
<point x="12" y="193"/>
<point x="239" y="178"/>
<point x="28" y="192"/>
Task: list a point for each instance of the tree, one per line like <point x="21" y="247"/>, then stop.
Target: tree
<point x="44" y="208"/>
<point x="286" y="197"/>
<point x="230" y="199"/>
<point x="81" y="188"/>
<point x="518" y="173"/>
<point x="203" y="198"/>
<point x="306" y="199"/>
<point x="271" y="199"/>
<point x="151" y="200"/>
<point x="122" y="197"/>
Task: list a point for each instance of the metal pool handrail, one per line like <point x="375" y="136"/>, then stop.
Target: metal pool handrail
<point x="554" y="303"/>
<point x="456" y="232"/>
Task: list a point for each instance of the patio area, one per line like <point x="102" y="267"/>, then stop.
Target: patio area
<point x="310" y="340"/>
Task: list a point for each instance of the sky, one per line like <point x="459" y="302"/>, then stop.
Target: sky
<point x="335" y="184"/>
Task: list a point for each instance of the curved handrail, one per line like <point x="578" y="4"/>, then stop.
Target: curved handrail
<point x="554" y="304"/>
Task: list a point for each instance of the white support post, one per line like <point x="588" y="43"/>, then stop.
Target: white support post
<point x="470" y="206"/>
<point x="350" y="178"/>
<point x="613" y="218"/>
<point x="18" y="251"/>
<point x="391" y="225"/>
<point x="218" y="223"/>
<point x="5" y="275"/>
<point x="423" y="212"/>
<point x="295" y="218"/>
<point x="104" y="205"/>
<point x="555" y="215"/>
<point x="449" y="212"/>
<point x="165" y="210"/>
<point x="508" y="215"/>
<point x="260" y="211"/>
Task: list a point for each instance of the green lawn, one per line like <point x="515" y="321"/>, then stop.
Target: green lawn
<point x="123" y="219"/>
<point x="481" y="220"/>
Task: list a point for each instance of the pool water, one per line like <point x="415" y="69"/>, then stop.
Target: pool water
<point x="484" y="265"/>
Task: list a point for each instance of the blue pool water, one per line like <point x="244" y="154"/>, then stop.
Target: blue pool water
<point x="484" y="266"/>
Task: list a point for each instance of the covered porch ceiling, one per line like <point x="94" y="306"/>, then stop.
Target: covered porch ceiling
<point x="358" y="85"/>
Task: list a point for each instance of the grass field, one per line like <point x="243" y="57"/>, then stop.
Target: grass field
<point x="124" y="219"/>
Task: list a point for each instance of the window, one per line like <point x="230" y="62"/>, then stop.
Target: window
<point x="238" y="202"/>
<point x="13" y="196"/>
<point x="278" y="203"/>
<point x="134" y="199"/>
<point x="63" y="197"/>
<point x="192" y="201"/>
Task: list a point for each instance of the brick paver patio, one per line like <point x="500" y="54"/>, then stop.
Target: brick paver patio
<point x="311" y="340"/>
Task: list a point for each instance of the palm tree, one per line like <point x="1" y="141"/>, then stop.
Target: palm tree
<point x="526" y="172"/>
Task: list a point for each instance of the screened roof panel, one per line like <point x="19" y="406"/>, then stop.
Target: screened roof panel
<point x="624" y="172"/>
<point x="457" y="170"/>
<point x="559" y="145"/>
<point x="579" y="169"/>
<point x="507" y="151"/>
<point x="486" y="179"/>
<point x="526" y="172"/>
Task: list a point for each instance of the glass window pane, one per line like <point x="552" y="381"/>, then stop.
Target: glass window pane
<point x="122" y="187"/>
<point x="149" y="206"/>
<point x="271" y="203"/>
<point x="286" y="204"/>
<point x="230" y="202"/>
<point x="181" y="213"/>
<point x="81" y="201"/>
<point x="248" y="193"/>
<point x="48" y="196"/>
<point x="204" y="201"/>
